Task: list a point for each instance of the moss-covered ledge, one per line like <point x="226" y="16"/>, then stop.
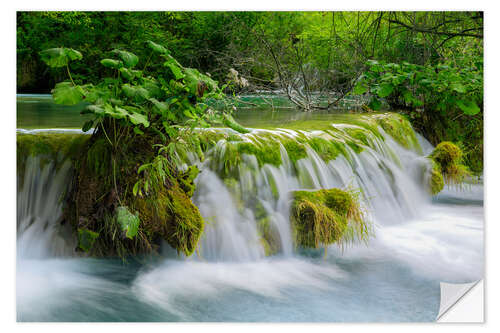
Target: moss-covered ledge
<point x="102" y="224"/>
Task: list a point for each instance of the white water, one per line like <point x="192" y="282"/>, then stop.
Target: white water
<point x="418" y="241"/>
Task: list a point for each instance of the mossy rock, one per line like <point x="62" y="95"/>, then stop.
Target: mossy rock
<point x="327" y="216"/>
<point x="447" y="160"/>
<point x="54" y="148"/>
<point x="436" y="180"/>
<point x="173" y="217"/>
<point x="399" y="128"/>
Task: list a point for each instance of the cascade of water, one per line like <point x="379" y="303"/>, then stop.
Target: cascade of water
<point x="39" y="211"/>
<point x="253" y="196"/>
<point x="388" y="175"/>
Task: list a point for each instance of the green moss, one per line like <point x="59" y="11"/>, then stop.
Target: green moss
<point x="186" y="180"/>
<point x="399" y="128"/>
<point x="325" y="217"/>
<point x="448" y="158"/>
<point x="86" y="239"/>
<point x="173" y="217"/>
<point x="295" y="150"/>
<point x="266" y="152"/>
<point x="186" y="221"/>
<point x="99" y="157"/>
<point x="358" y="134"/>
<point x="54" y="148"/>
<point x="436" y="180"/>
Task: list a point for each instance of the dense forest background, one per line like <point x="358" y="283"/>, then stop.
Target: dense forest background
<point x="305" y="55"/>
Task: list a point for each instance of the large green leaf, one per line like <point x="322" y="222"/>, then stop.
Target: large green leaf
<point x="127" y="73"/>
<point x="112" y="63"/>
<point x="59" y="57"/>
<point x="67" y="94"/>
<point x="468" y="107"/>
<point x="127" y="221"/>
<point x="128" y="58"/>
<point x="157" y="47"/>
<point x="135" y="118"/>
<point x="385" y="90"/>
<point x="161" y="106"/>
<point x="360" y="88"/>
<point x="152" y="87"/>
<point x="137" y="93"/>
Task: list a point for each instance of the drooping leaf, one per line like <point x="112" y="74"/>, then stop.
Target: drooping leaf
<point x="128" y="58"/>
<point x="135" y="189"/>
<point x="112" y="63"/>
<point x="469" y="107"/>
<point x="161" y="106"/>
<point x="67" y="94"/>
<point x="176" y="70"/>
<point x="138" y="119"/>
<point x="157" y="47"/>
<point x="59" y="57"/>
<point x="127" y="221"/>
<point x="137" y="130"/>
<point x="126" y="73"/>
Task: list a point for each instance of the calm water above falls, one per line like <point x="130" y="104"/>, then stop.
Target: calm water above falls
<point x="418" y="242"/>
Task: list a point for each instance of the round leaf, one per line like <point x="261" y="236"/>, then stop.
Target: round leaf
<point x="60" y="56"/>
<point x="128" y="58"/>
<point x="157" y="47"/>
<point x="67" y="94"/>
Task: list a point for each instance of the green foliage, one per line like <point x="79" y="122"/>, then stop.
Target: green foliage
<point x="128" y="222"/>
<point x="442" y="87"/>
<point x="86" y="239"/>
<point x="136" y="112"/>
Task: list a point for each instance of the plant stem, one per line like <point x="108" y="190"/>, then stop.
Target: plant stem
<point x="67" y="69"/>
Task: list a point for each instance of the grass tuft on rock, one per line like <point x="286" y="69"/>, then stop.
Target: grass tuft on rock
<point x="447" y="159"/>
<point x="328" y="216"/>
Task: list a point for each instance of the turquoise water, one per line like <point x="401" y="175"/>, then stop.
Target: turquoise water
<point x="394" y="278"/>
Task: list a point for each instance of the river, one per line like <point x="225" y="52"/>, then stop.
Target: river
<point x="418" y="240"/>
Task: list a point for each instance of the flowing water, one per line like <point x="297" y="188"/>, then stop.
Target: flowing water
<point x="418" y="240"/>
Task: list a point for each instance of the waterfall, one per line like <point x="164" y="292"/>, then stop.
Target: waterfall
<point x="246" y="267"/>
<point x="388" y="175"/>
<point x="246" y="181"/>
<point x="39" y="210"/>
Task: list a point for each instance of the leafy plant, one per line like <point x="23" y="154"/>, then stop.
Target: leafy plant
<point x="438" y="88"/>
<point x="129" y="107"/>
